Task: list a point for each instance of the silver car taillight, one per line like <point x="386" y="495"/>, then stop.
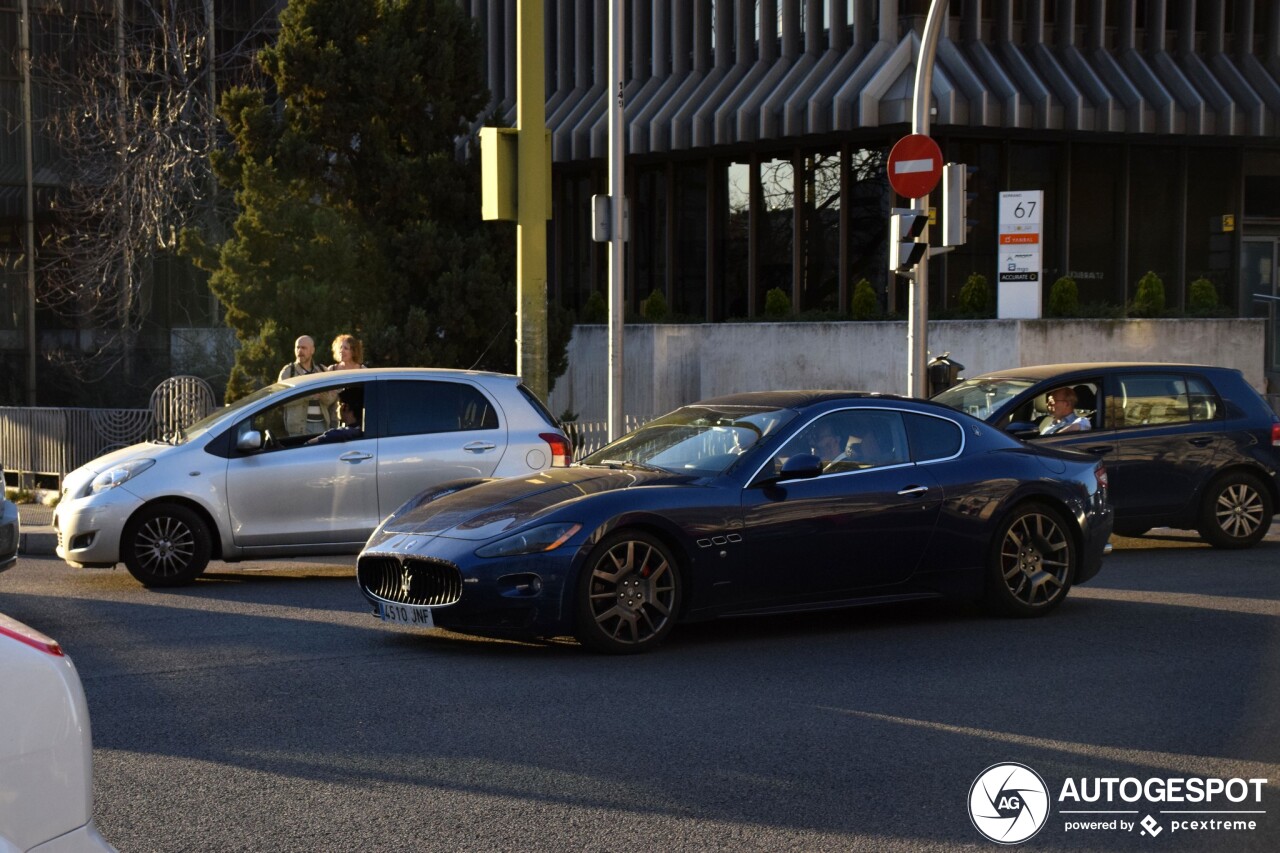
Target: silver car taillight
<point x="561" y="449"/>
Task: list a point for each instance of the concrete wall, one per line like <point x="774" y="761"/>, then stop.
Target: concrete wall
<point x="669" y="365"/>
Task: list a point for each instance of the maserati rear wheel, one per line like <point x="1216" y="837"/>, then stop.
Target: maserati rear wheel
<point x="1032" y="563"/>
<point x="628" y="594"/>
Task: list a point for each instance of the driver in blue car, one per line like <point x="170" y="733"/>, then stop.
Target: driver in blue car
<point x="1063" y="416"/>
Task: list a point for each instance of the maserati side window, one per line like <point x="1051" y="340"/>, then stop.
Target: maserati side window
<point x="933" y="438"/>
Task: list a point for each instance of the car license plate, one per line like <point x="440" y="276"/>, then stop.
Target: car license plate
<point x="406" y="614"/>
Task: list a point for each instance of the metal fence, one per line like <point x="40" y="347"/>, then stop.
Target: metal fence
<point x="589" y="436"/>
<point x="50" y="442"/>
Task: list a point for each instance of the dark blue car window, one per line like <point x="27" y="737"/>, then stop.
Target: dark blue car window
<point x="1204" y="403"/>
<point x="850" y="440"/>
<point x="415" y="408"/>
<point x="1150" y="399"/>
<point x="932" y="438"/>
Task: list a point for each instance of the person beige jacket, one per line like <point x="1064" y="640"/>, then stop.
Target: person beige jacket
<point x="308" y="415"/>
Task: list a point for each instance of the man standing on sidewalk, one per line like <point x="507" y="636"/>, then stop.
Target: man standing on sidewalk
<point x="310" y="415"/>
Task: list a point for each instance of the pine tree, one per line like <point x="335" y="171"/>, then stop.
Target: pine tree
<point x="355" y="214"/>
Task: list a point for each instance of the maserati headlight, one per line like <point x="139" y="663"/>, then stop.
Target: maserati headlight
<point x="547" y="537"/>
<point x="119" y="475"/>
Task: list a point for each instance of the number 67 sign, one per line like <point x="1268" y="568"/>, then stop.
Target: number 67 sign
<point x="1018" y="255"/>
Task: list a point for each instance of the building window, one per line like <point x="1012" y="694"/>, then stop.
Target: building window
<point x="13" y="286"/>
<point x="648" y="238"/>
<point x="775" y="237"/>
<point x="1210" y="252"/>
<point x="689" y="279"/>
<point x="820" y="223"/>
<point x="1095" y="236"/>
<point x="1155" y="229"/>
<point x="577" y="267"/>
<point x="867" y="212"/>
<point x="734" y="243"/>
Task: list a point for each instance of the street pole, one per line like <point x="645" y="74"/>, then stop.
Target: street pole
<point x="918" y="298"/>
<point x="532" y="191"/>
<point x="24" y="48"/>
<point x="617" y="211"/>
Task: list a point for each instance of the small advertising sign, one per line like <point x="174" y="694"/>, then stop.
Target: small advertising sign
<point x="1018" y="255"/>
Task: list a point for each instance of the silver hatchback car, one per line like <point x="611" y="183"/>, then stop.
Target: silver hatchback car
<point x="305" y="467"/>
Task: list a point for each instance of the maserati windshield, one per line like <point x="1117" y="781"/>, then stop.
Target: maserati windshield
<point x="692" y="440"/>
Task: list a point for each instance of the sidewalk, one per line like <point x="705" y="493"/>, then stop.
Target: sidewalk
<point x="37" y="538"/>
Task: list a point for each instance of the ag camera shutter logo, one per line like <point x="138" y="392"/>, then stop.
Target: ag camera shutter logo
<point x="1008" y="803"/>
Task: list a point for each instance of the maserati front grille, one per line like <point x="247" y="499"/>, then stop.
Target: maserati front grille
<point x="432" y="583"/>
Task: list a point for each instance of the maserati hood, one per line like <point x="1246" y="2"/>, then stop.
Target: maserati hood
<point x="492" y="507"/>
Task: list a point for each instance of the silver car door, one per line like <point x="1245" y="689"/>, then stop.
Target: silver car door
<point x="292" y="493"/>
<point x="434" y="431"/>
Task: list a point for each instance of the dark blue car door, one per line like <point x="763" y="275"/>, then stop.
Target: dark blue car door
<point x="848" y="530"/>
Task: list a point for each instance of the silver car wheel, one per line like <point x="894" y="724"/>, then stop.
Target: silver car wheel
<point x="166" y="545"/>
<point x="1239" y="510"/>
<point x="1235" y="511"/>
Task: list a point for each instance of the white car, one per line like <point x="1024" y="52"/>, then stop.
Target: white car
<point x="305" y="467"/>
<point x="10" y="529"/>
<point x="46" y="752"/>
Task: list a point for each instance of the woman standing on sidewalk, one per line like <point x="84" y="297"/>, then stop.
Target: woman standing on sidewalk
<point x="348" y="353"/>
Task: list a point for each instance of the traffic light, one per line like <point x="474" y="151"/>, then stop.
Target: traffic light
<point x="956" y="199"/>
<point x="905" y="247"/>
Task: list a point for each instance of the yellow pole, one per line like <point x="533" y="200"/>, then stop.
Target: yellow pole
<point x="532" y="198"/>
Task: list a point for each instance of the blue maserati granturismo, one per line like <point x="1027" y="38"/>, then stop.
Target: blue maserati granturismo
<point x="758" y="503"/>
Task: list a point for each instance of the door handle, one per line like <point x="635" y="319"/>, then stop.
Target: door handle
<point x="913" y="491"/>
<point x="1202" y="441"/>
<point x="1099" y="449"/>
<point x="478" y="446"/>
<point x="355" y="456"/>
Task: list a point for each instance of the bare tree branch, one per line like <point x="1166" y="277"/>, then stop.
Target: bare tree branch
<point x="133" y="123"/>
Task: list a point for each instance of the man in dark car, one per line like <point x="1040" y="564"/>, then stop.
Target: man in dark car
<point x="1064" y="417"/>
<point x="350" y="413"/>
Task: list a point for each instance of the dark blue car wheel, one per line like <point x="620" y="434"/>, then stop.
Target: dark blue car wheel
<point x="1033" y="562"/>
<point x="628" y="595"/>
<point x="1236" y="511"/>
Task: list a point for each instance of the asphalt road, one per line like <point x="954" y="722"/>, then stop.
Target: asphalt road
<point x="263" y="709"/>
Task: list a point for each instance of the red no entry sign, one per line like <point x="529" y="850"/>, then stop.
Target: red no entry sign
<point x="915" y="166"/>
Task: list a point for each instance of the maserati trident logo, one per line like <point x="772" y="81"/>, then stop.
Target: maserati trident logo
<point x="406" y="581"/>
<point x="1008" y="803"/>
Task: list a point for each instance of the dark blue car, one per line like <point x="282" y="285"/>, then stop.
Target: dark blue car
<point x="749" y="504"/>
<point x="1186" y="445"/>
